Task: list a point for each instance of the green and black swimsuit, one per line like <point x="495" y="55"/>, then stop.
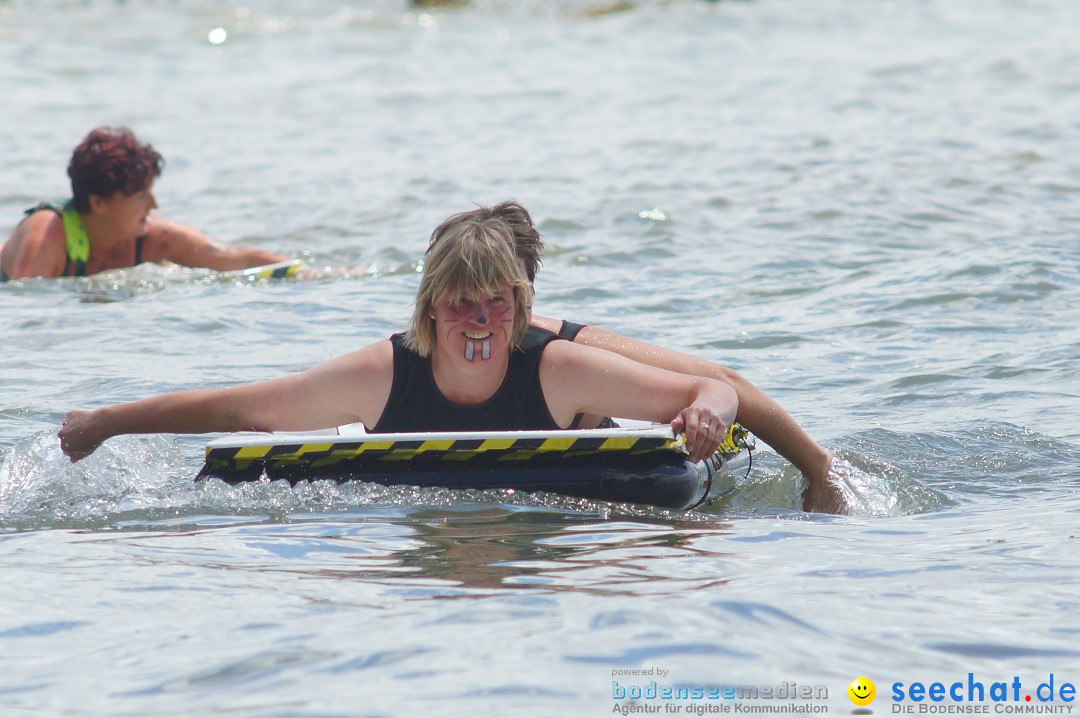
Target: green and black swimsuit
<point x="78" y="243"/>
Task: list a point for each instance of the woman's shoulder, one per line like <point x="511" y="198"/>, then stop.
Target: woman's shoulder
<point x="43" y="218"/>
<point x="556" y="351"/>
<point x="369" y="366"/>
<point x="572" y="359"/>
<point x="537" y="337"/>
<point x="163" y="234"/>
<point x="37" y="243"/>
<point x="380" y="353"/>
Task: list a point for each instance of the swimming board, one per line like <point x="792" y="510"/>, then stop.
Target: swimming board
<point x="123" y="283"/>
<point x="287" y="269"/>
<point x="636" y="462"/>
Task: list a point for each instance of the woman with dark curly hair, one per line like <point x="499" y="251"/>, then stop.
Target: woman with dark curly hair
<point x="107" y="223"/>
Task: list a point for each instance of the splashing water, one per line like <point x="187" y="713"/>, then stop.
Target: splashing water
<point x="39" y="485"/>
<point x="875" y="488"/>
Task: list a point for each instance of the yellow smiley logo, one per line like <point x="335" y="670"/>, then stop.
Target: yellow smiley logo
<point x="862" y="691"/>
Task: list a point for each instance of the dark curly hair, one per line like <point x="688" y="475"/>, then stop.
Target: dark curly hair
<point x="111" y="160"/>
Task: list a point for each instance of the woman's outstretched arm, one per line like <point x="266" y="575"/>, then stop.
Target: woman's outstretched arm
<point x="350" y="388"/>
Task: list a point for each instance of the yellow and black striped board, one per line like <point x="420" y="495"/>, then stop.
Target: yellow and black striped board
<point x="642" y="463"/>
<point x="287" y="269"/>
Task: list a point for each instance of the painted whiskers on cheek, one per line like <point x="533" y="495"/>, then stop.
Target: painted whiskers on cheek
<point x="503" y="318"/>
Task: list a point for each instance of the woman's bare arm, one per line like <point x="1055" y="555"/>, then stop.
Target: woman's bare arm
<point x="350" y="388"/>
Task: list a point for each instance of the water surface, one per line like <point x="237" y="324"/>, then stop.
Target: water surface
<point x="868" y="209"/>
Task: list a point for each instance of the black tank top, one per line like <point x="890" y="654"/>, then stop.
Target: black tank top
<point x="416" y="404"/>
<point x="569" y="330"/>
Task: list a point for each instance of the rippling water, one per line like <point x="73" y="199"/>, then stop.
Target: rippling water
<point x="869" y="209"/>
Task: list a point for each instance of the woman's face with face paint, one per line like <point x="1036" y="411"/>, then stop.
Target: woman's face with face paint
<point x="477" y="328"/>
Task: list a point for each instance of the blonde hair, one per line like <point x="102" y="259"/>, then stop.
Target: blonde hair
<point x="471" y="255"/>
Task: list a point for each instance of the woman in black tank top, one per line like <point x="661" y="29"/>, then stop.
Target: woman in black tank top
<point x="468" y="362"/>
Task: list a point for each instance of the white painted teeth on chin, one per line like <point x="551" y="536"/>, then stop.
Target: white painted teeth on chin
<point x="470" y="350"/>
